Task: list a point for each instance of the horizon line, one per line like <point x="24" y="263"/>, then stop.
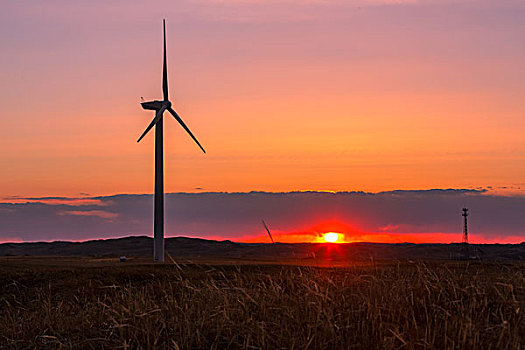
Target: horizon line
<point x="268" y="243"/>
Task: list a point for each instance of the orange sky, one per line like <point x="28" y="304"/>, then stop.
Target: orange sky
<point x="284" y="95"/>
<point x="272" y="143"/>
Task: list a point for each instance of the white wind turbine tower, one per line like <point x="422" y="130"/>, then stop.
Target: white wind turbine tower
<point x="160" y="107"/>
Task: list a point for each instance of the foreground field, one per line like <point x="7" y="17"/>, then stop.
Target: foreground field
<point x="50" y="303"/>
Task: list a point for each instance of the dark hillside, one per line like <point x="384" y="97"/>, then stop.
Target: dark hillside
<point x="142" y="246"/>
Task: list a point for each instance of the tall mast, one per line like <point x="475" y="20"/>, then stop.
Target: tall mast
<point x="465" y="226"/>
<point x="158" y="224"/>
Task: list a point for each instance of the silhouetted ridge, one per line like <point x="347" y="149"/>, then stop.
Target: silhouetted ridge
<point x="186" y="247"/>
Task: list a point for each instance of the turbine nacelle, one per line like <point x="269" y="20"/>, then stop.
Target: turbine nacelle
<point x="155" y="105"/>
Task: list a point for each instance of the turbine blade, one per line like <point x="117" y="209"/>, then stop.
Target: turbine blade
<point x="153" y="122"/>
<point x="185" y="127"/>
<point x="268" y="230"/>
<point x="165" y="68"/>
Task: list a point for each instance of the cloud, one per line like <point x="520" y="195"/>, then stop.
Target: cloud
<point x="98" y="213"/>
<point x="11" y="240"/>
<point x="400" y="215"/>
<point x="73" y="201"/>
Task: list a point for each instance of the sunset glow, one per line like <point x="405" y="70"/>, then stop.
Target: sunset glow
<point x="318" y="173"/>
<point x="331" y="237"/>
<point x="370" y="98"/>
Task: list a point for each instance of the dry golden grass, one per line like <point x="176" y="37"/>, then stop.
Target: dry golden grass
<point x="384" y="306"/>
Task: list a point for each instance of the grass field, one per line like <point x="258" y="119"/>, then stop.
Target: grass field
<point x="82" y="303"/>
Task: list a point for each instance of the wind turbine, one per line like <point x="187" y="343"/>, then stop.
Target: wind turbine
<point x="160" y="107"/>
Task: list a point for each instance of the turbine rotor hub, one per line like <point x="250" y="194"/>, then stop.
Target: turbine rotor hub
<point x="167" y="104"/>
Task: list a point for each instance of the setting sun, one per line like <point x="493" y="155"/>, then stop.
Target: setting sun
<point x="331" y="237"/>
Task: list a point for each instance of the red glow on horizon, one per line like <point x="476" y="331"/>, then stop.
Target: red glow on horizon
<point x="312" y="237"/>
<point x="379" y="237"/>
<point x="350" y="232"/>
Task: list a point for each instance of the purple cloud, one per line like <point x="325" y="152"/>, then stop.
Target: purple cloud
<point x="237" y="215"/>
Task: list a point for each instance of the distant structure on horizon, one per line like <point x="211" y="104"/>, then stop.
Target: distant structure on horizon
<point x="465" y="225"/>
<point x="465" y="249"/>
<point x="160" y="107"/>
